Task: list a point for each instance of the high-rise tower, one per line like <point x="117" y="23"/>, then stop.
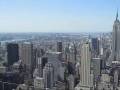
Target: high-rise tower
<point x="26" y="55"/>
<point x="12" y="53"/>
<point x="48" y="75"/>
<point x="85" y="78"/>
<point x="116" y="41"/>
<point x="59" y="46"/>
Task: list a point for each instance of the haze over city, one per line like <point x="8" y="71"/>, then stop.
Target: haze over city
<point x="59" y="45"/>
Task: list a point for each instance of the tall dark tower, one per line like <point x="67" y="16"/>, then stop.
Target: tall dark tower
<point x="12" y="53"/>
<point x="95" y="46"/>
<point x="59" y="46"/>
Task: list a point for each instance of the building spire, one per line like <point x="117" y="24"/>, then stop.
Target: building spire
<point x="117" y="15"/>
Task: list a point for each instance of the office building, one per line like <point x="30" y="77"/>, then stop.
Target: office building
<point x="95" y="46"/>
<point x="12" y="53"/>
<point x="85" y="69"/>
<point x="59" y="46"/>
<point x="115" y="40"/>
<point x="71" y="82"/>
<point x="53" y="57"/>
<point x="39" y="83"/>
<point x="41" y="61"/>
<point x="26" y="54"/>
<point x="48" y="75"/>
<point x="116" y="77"/>
<point x="39" y="66"/>
<point x="96" y="68"/>
<point x="27" y="59"/>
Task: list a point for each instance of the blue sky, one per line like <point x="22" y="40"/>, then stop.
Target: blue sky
<point x="57" y="15"/>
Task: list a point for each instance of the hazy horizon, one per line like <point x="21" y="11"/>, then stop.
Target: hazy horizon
<point x="59" y="32"/>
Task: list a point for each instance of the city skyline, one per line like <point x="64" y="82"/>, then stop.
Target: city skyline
<point x="57" y="16"/>
<point x="59" y="61"/>
<point x="59" y="45"/>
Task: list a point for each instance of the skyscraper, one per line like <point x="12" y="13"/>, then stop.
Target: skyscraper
<point x="85" y="67"/>
<point x="39" y="62"/>
<point x="59" y="46"/>
<point x="95" y="46"/>
<point x="116" y="41"/>
<point x="53" y="57"/>
<point x="96" y="68"/>
<point x="40" y="65"/>
<point x="12" y="53"/>
<point x="48" y="75"/>
<point x="26" y="55"/>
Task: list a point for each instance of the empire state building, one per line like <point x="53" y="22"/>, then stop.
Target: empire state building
<point x="116" y="40"/>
